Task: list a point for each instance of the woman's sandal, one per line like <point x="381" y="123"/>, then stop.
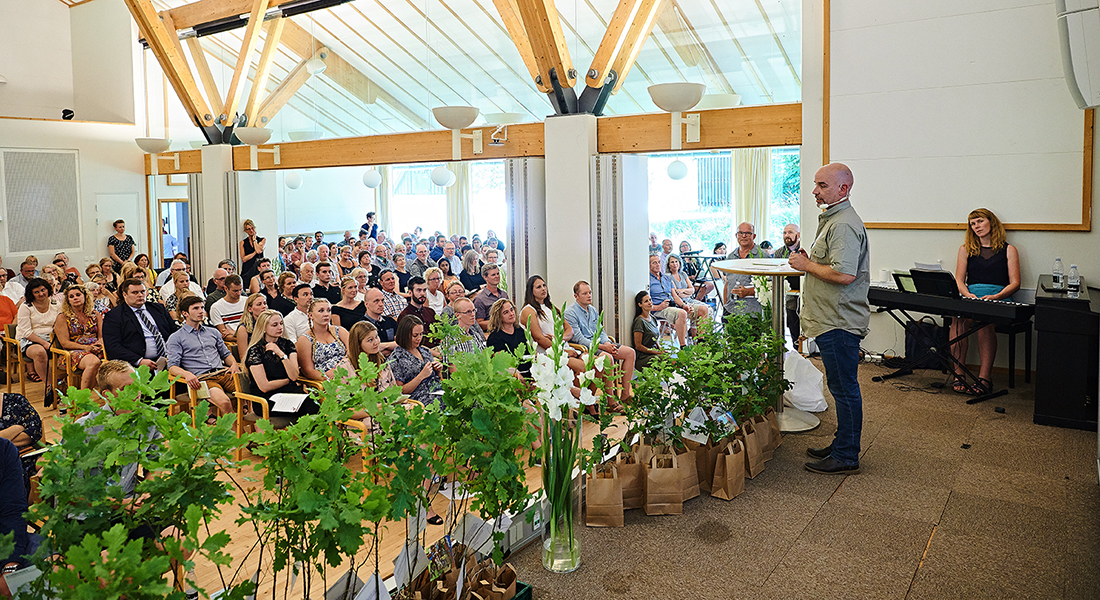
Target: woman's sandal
<point x="33" y="377"/>
<point x="960" y="386"/>
<point x="985" y="386"/>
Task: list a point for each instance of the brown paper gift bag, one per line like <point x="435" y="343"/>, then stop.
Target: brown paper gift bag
<point x="773" y="420"/>
<point x="686" y="460"/>
<point x="604" y="499"/>
<point x="632" y="479"/>
<point x="664" y="486"/>
<point x="504" y="587"/>
<point x="754" y="462"/>
<point x="764" y="436"/>
<point x="729" y="472"/>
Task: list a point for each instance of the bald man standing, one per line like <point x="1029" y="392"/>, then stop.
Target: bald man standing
<point x="835" y="311"/>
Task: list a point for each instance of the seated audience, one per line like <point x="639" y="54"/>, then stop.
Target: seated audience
<point x="361" y="277"/>
<point x="455" y="290"/>
<point x="325" y="288"/>
<point x="78" y="329"/>
<point x="34" y="323"/>
<point x="403" y="276"/>
<point x="348" y="311"/>
<point x="583" y="317"/>
<point x="346" y="263"/>
<point x="685" y="290"/>
<point x="21" y="424"/>
<point x="738" y="290"/>
<point x="988" y="267"/>
<point x="272" y="362"/>
<point x="471" y="276"/>
<point x="297" y="322"/>
<point x="363" y="340"/>
<point x="387" y="326"/>
<point x="324" y="348"/>
<point x="467" y="322"/>
<point x="225" y="266"/>
<point x="646" y="332"/>
<point x="226" y="313"/>
<point x="256" y="284"/>
<point x="663" y="292"/>
<point x="132" y="271"/>
<point x="135" y="331"/>
<point x="306" y="274"/>
<point x="392" y="302"/>
<point x="437" y="297"/>
<point x="254" y="305"/>
<point x="420" y="266"/>
<point x="418" y="307"/>
<point x="413" y="366"/>
<point x="181" y="290"/>
<point x="489" y="294"/>
<point x="448" y="274"/>
<point x="198" y="355"/>
<point x="13" y="505"/>
<point x="505" y="334"/>
<point x="105" y="300"/>
<point x="284" y="302"/>
<point x="179" y="266"/>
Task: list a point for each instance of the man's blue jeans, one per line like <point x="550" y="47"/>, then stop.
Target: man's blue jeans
<point x="840" y="353"/>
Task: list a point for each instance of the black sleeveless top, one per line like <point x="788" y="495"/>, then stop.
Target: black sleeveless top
<point x="988" y="266"/>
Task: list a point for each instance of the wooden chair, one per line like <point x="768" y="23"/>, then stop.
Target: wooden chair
<point x="61" y="360"/>
<point x="12" y="356"/>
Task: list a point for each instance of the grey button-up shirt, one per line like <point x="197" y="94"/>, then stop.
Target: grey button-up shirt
<point x="841" y="244"/>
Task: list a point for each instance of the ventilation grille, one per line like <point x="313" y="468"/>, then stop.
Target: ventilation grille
<point x="42" y="200"/>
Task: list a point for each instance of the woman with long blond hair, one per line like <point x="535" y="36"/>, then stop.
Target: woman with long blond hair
<point x="988" y="268"/>
<point x="79" y="329"/>
<point x="272" y="362"/>
<point x="363" y="340"/>
<point x="323" y="350"/>
<point x="182" y="285"/>
<point x="254" y="305"/>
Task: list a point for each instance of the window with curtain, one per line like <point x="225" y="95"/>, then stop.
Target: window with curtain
<point x="703" y="208"/>
<point x="415" y="200"/>
<point x="487" y="205"/>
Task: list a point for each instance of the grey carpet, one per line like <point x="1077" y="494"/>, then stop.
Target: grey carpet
<point x="1015" y="515"/>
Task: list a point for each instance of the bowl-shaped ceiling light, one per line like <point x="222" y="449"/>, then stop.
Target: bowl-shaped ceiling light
<point x="676" y="97"/>
<point x="497" y="119"/>
<point x="711" y="101"/>
<point x="153" y="145"/>
<point x="303" y="136"/>
<point x="253" y="136"/>
<point x="455" y="117"/>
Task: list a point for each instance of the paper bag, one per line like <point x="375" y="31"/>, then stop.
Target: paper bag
<point x="631" y="479"/>
<point x="686" y="460"/>
<point x="604" y="499"/>
<point x="694" y="426"/>
<point x="754" y="462"/>
<point x="773" y="422"/>
<point x="763" y="436"/>
<point x="729" y="472"/>
<point x="504" y="587"/>
<point x="664" y="486"/>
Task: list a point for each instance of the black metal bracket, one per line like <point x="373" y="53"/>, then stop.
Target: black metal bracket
<point x="563" y="99"/>
<point x="593" y="100"/>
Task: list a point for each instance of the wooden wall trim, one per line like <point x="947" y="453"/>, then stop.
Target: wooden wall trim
<point x="190" y="162"/>
<point x="1089" y="148"/>
<point x="720" y="129"/>
<point x="742" y="127"/>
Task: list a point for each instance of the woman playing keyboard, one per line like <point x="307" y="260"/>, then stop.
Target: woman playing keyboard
<point x="988" y="269"/>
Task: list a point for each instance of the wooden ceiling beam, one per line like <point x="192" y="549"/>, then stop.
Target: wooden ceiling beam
<point x="640" y="29"/>
<point x="165" y="46"/>
<point x="198" y="56"/>
<point x="513" y="24"/>
<point x="244" y="60"/>
<point x="611" y="43"/>
<point x="344" y="74"/>
<point x="206" y="11"/>
<point x="540" y="20"/>
<point x="294" y="80"/>
<point x="742" y="127"/>
<point x="263" y="69"/>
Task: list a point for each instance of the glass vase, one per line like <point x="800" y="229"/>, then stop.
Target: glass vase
<point x="561" y="525"/>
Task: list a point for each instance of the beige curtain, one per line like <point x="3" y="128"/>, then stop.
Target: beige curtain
<point x="459" y="220"/>
<point x="382" y="195"/>
<point x="751" y="180"/>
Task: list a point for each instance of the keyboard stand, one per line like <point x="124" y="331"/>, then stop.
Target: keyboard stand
<point x="943" y="355"/>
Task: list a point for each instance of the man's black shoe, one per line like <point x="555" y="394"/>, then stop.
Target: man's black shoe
<point x="819" y="453"/>
<point x="831" y="466"/>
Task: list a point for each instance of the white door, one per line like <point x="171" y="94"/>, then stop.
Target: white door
<point x="110" y="208"/>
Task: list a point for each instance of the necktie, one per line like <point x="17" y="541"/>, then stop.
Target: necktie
<point x="157" y="338"/>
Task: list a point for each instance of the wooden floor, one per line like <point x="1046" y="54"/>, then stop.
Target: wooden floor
<point x="244" y="538"/>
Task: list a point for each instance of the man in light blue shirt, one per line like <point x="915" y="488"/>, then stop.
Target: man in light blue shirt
<point x="583" y="318"/>
<point x="198" y="354"/>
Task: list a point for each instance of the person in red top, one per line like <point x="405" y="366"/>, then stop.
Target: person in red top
<point x="8" y="312"/>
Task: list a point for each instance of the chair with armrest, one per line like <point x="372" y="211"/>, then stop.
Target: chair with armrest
<point x="246" y="415"/>
<point x="12" y="356"/>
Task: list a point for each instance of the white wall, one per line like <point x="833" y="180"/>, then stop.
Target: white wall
<point x="885" y="63"/>
<point x="104" y="54"/>
<point x="36" y="59"/>
<point x="109" y="164"/>
<point x="332" y="199"/>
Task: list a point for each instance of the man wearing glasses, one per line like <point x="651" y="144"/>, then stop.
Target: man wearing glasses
<point x="739" y="293"/>
<point x="219" y="290"/>
<point x="422" y="262"/>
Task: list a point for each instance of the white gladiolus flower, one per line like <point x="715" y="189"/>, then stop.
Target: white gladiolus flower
<point x="600" y="362"/>
<point x="587" y="397"/>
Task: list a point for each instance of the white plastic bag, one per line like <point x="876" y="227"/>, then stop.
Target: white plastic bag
<point x="694" y="426"/>
<point x="807" y="384"/>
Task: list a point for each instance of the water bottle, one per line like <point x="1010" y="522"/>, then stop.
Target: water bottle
<point x="1074" y="282"/>
<point x="1059" y="274"/>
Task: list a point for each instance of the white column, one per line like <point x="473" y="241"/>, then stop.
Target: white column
<point x="525" y="246"/>
<point x="214" y="226"/>
<point x="620" y="219"/>
<point x="570" y="145"/>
